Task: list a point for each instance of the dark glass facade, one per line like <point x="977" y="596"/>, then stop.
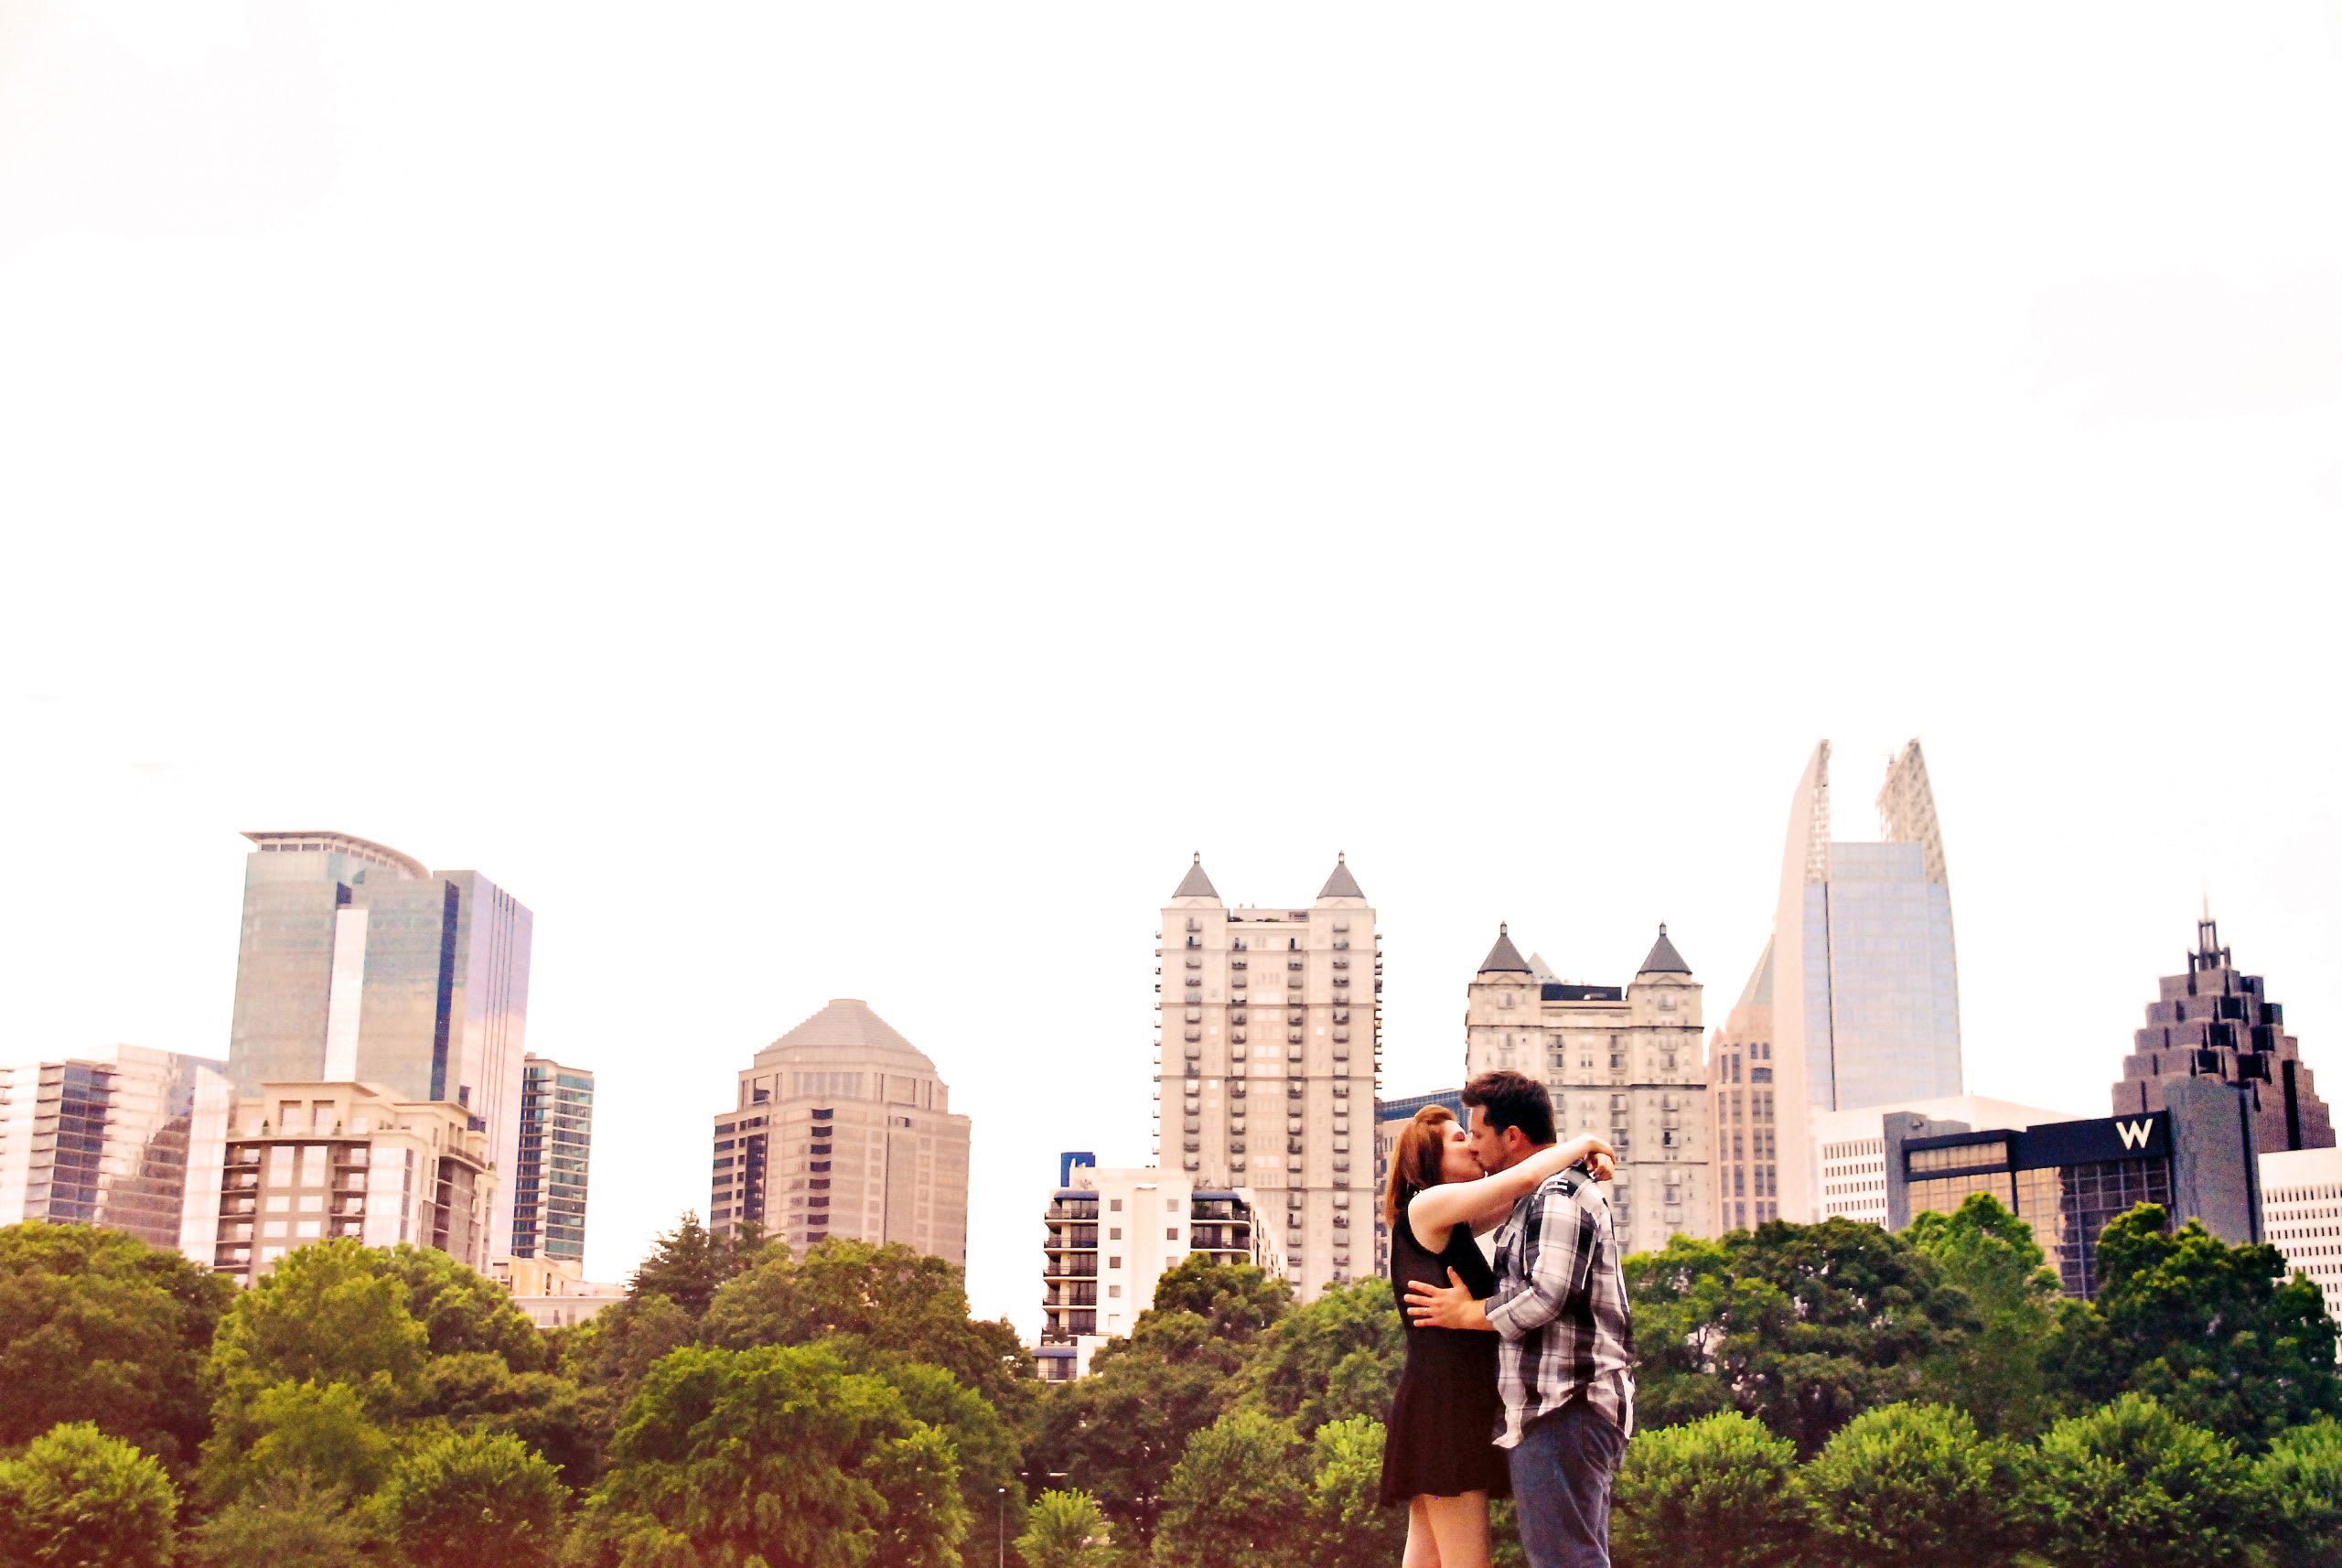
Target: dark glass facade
<point x="555" y="1151"/>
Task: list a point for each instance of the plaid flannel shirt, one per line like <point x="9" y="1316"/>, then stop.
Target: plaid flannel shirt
<point x="1560" y="1308"/>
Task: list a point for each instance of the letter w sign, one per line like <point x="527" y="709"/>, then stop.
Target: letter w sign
<point x="2133" y="1133"/>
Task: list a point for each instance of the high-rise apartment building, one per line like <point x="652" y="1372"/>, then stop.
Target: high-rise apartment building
<point x="111" y="1136"/>
<point x="557" y="1147"/>
<point x="842" y="1128"/>
<point x="362" y="965"/>
<point x="1621" y="1062"/>
<point x="1742" y="1108"/>
<point x="1110" y="1234"/>
<point x="1269" y="1043"/>
<point x="1850" y="1146"/>
<point x="2216" y="1022"/>
<point x="2301" y="1216"/>
<point x="1866" y="991"/>
<point x="311" y="1161"/>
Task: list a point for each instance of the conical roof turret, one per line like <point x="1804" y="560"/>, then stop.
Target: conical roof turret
<point x="1196" y="884"/>
<point x="1341" y="885"/>
<point x="1504" y="958"/>
<point x="1664" y="959"/>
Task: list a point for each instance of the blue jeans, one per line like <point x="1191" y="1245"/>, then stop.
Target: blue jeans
<point x="1561" y="1487"/>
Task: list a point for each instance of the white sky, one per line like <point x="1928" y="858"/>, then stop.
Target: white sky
<point x="818" y="502"/>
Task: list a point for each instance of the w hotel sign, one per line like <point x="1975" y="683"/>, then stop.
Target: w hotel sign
<point x="2084" y="1143"/>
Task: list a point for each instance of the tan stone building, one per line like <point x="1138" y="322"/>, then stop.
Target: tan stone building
<point x="1741" y="1108"/>
<point x="309" y="1162"/>
<point x="1622" y="1062"/>
<point x="1268" y="1052"/>
<point x="844" y="1128"/>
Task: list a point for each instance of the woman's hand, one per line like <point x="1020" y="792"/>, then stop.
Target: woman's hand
<point x="1594" y="1154"/>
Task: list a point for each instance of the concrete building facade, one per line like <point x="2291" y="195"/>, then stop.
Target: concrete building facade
<point x="2301" y="1216"/>
<point x="1110" y="1234"/>
<point x="1268" y="1050"/>
<point x="1623" y="1062"/>
<point x="2216" y="1022"/>
<point x="359" y="964"/>
<point x="1865" y="983"/>
<point x="305" y="1162"/>
<point x="844" y="1128"/>
<point x="1743" y="1110"/>
<point x="111" y="1136"/>
<point x="553" y="1162"/>
<point x="1850" y="1146"/>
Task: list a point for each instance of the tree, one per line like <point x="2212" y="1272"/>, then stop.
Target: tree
<point x="477" y="1391"/>
<point x="892" y="1298"/>
<point x="464" y="1491"/>
<point x="285" y="1521"/>
<point x="690" y="1263"/>
<point x="779" y="1455"/>
<point x="2302" y="1475"/>
<point x="1065" y="1529"/>
<point x="1230" y="1500"/>
<point x="1721" y="1492"/>
<point x="1803" y="1327"/>
<point x="331" y="1313"/>
<point x="78" y="1499"/>
<point x="1238" y="1300"/>
<point x="1337" y="1358"/>
<point x="980" y="1442"/>
<point x="1910" y="1483"/>
<point x="2133" y="1486"/>
<point x="2214" y="1332"/>
<point x="463" y="1312"/>
<point x="97" y="1326"/>
<point x="1997" y="1373"/>
<point x="324" y="1434"/>
<point x="1343" y="1519"/>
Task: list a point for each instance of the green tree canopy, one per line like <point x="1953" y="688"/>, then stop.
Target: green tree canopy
<point x="780" y="1457"/>
<point x="2302" y="1476"/>
<point x="983" y="1446"/>
<point x="1230" y="1501"/>
<point x="331" y="1312"/>
<point x="96" y="1326"/>
<point x="891" y="1298"/>
<point x="286" y="1521"/>
<point x="326" y="1434"/>
<point x="1338" y="1357"/>
<point x="1721" y="1492"/>
<point x="465" y="1496"/>
<point x="2133" y="1486"/>
<point x="1342" y="1518"/>
<point x="463" y="1312"/>
<point x="1065" y="1529"/>
<point x="78" y="1499"/>
<point x="1803" y="1327"/>
<point x="2218" y="1333"/>
<point x="1911" y="1483"/>
<point x="1237" y="1300"/>
<point x="690" y="1263"/>
<point x="1997" y="1373"/>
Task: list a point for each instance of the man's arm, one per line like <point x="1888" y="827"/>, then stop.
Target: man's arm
<point x="1558" y="1246"/>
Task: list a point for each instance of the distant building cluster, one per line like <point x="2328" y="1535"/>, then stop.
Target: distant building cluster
<point x="377" y="1085"/>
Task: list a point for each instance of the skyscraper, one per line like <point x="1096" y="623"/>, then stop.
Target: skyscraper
<point x="2216" y="1021"/>
<point x="359" y="964"/>
<point x="1268" y="1049"/>
<point x="557" y="1146"/>
<point x="113" y="1137"/>
<point x="1620" y="1062"/>
<point x="1742" y="1108"/>
<point x="1865" y="994"/>
<point x="842" y="1128"/>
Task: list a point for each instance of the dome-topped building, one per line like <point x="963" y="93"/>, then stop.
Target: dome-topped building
<point x="844" y="1128"/>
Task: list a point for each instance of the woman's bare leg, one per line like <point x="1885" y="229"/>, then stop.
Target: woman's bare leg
<point x="1460" y="1526"/>
<point x="1422" y="1548"/>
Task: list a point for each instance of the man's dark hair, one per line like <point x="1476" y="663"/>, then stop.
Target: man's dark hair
<point x="1513" y="1099"/>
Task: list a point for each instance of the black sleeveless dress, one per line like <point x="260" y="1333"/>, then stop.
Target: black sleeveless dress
<point x="1441" y="1438"/>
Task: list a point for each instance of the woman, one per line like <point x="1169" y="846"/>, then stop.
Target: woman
<point x="1439" y="1456"/>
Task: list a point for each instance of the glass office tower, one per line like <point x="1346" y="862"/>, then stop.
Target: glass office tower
<point x="112" y="1136"/>
<point x="1873" y="1016"/>
<point x="557" y="1146"/>
<point x="359" y="964"/>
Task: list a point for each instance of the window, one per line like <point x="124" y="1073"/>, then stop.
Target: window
<point x="1171" y="1233"/>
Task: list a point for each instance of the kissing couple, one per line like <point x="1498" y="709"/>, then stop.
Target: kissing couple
<point x="1519" y="1379"/>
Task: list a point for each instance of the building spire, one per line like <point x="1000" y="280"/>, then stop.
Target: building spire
<point x="1664" y="959"/>
<point x="1504" y="958"/>
<point x="1341" y="885"/>
<point x="1196" y="884"/>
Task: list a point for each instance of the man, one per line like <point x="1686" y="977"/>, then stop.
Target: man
<point x="1565" y="1368"/>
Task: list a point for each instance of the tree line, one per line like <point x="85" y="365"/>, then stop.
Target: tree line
<point x="1832" y="1393"/>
